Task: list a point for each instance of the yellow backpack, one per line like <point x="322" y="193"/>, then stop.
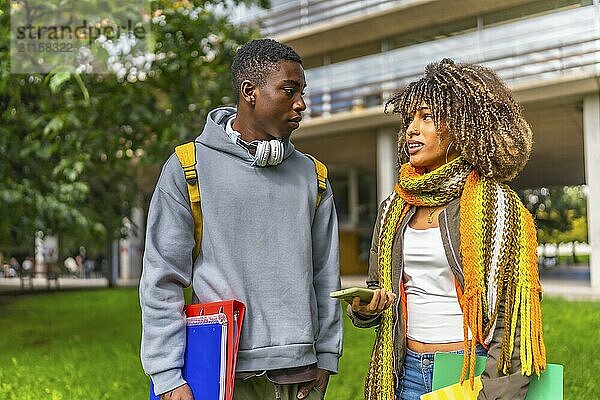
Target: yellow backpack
<point x="186" y="153"/>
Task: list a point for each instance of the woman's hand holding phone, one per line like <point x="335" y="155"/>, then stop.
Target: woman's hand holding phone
<point x="382" y="299"/>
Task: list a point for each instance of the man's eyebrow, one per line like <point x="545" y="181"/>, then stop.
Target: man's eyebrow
<point x="293" y="82"/>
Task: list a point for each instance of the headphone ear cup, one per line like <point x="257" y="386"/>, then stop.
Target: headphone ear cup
<point x="263" y="150"/>
<point x="276" y="155"/>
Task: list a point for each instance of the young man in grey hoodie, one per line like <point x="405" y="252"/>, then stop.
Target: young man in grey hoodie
<point x="264" y="242"/>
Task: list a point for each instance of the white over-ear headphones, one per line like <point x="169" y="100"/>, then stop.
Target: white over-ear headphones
<point x="269" y="152"/>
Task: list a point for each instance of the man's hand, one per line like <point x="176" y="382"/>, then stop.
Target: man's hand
<point x="320" y="384"/>
<point x="183" y="392"/>
<point x="381" y="300"/>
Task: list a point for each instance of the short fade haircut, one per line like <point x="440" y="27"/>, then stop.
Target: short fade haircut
<point x="255" y="60"/>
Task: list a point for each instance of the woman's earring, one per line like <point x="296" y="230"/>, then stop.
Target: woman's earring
<point x="448" y="150"/>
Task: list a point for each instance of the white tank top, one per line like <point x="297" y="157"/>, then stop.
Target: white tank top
<point x="434" y="315"/>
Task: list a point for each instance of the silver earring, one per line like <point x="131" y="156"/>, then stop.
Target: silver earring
<point x="448" y="150"/>
<point x="252" y="101"/>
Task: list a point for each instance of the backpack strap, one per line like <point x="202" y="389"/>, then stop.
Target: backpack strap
<point x="186" y="153"/>
<point x="321" y="170"/>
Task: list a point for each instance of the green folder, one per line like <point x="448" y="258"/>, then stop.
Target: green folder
<point x="448" y="366"/>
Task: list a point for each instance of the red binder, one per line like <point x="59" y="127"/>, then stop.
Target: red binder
<point x="234" y="310"/>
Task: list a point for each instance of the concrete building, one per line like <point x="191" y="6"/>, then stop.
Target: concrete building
<point x="357" y="53"/>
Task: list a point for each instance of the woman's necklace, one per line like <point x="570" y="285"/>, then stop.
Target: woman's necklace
<point x="430" y="215"/>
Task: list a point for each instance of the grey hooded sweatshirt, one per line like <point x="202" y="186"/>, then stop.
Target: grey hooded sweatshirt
<point x="263" y="243"/>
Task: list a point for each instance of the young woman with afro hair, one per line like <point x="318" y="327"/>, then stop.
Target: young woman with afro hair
<point x="453" y="257"/>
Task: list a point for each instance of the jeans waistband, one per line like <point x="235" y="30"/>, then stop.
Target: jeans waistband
<point x="430" y="356"/>
<point x="412" y="353"/>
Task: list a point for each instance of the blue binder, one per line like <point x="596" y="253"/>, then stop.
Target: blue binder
<point x="205" y="360"/>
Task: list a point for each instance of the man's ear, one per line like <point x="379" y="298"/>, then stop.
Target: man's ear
<point x="248" y="92"/>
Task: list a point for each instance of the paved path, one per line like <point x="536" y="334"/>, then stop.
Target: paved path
<point x="8" y="285"/>
<point x="570" y="282"/>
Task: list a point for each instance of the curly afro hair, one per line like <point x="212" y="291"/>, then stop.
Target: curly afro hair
<point x="256" y="59"/>
<point x="476" y="108"/>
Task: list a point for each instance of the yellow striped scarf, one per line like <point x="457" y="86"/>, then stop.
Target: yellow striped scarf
<point x="499" y="260"/>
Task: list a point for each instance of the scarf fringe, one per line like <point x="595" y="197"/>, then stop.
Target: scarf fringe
<point x="522" y="302"/>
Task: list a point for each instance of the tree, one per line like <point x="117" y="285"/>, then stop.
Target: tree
<point x="78" y="151"/>
<point x="560" y="213"/>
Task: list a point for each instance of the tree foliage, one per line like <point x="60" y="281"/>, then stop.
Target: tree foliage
<point x="560" y="213"/>
<point x="79" y="150"/>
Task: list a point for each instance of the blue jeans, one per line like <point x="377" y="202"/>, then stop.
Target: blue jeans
<point x="417" y="373"/>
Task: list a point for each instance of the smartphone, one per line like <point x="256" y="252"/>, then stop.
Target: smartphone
<point x="348" y="294"/>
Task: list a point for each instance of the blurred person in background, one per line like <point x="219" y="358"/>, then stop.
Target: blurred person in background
<point x="27" y="266"/>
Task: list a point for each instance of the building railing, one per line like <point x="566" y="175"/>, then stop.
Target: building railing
<point x="535" y="49"/>
<point x="287" y="16"/>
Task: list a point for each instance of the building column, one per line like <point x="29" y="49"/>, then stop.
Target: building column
<point x="591" y="137"/>
<point x="386" y="162"/>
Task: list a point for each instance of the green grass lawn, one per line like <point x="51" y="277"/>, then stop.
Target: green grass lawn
<point x="85" y="345"/>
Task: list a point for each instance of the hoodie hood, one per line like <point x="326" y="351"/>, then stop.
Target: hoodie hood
<point x="215" y="137"/>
